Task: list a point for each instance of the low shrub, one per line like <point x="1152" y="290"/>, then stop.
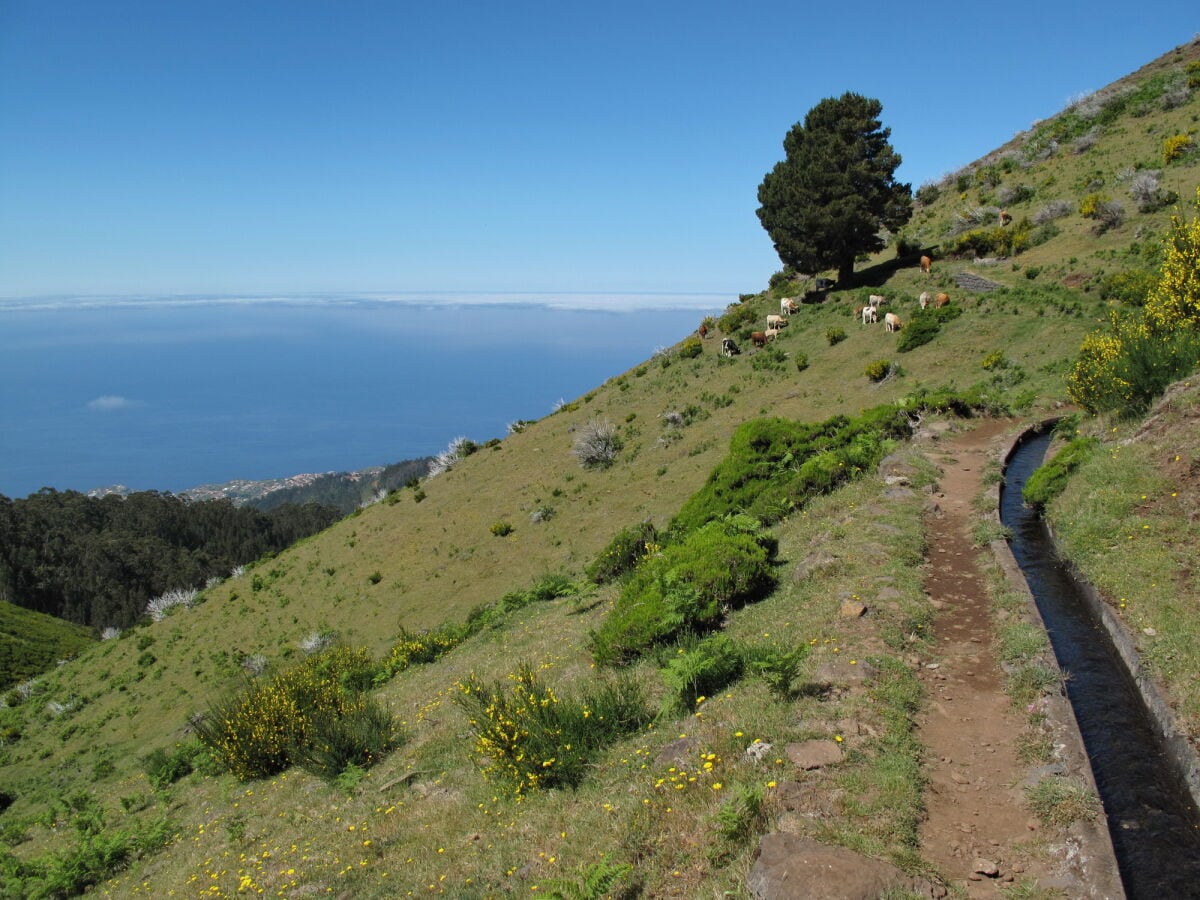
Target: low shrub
<point x="691" y="347"/>
<point x="700" y="668"/>
<point x="687" y="587"/>
<point x="1055" y="209"/>
<point x="163" y="767"/>
<point x="878" y="370"/>
<point x="501" y="528"/>
<point x="1175" y="147"/>
<point x="770" y="359"/>
<point x="358" y="734"/>
<point x="261" y="729"/>
<point x="1126" y="367"/>
<point x="597" y="445"/>
<point x="530" y="738"/>
<point x="777" y="666"/>
<point x="413" y="648"/>
<point x="623" y="553"/>
<point x="801" y="361"/>
<point x="1050" y="479"/>
<point x="775" y="465"/>
<point x="1130" y="286"/>
<point x="923" y="327"/>
<point x="835" y="335"/>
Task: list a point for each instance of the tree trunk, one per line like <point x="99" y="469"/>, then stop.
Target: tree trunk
<point x="846" y="273"/>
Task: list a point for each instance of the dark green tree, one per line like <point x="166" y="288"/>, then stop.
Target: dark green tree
<point x="828" y="200"/>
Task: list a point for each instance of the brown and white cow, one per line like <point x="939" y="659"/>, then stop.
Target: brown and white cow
<point x="941" y="300"/>
<point x="891" y="322"/>
<point x="869" y="315"/>
<point x="758" y="338"/>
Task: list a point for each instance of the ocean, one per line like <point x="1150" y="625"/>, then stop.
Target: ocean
<point x="170" y="393"/>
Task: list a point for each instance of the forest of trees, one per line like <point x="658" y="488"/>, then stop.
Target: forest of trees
<point x="97" y="561"/>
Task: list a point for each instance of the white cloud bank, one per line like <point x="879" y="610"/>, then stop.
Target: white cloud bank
<point x="109" y="403"/>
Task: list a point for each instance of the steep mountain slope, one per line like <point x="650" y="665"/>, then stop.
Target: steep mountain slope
<point x="424" y="819"/>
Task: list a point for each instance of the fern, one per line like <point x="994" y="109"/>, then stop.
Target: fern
<point x="594" y="881"/>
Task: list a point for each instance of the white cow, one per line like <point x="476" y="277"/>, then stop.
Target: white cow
<point x="870" y="316"/>
<point x="776" y="321"/>
<point x="892" y="322"/>
<point x="877" y="300"/>
<point x="771" y="333"/>
<point x="787" y="306"/>
<point x="925" y="299"/>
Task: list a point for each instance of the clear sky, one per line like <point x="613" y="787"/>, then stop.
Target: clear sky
<point x="285" y="146"/>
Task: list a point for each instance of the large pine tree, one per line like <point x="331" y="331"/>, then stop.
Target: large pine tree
<point x="828" y="200"/>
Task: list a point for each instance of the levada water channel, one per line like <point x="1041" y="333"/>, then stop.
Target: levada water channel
<point x="1153" y="821"/>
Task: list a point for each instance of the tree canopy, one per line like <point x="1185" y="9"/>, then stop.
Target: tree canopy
<point x="829" y="198"/>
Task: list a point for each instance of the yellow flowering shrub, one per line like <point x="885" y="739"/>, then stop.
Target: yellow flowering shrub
<point x="265" y="727"/>
<point x="1175" y="146"/>
<point x="530" y="738"/>
<point x="1174" y="301"/>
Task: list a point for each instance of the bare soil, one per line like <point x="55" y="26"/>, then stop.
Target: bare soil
<point x="977" y="830"/>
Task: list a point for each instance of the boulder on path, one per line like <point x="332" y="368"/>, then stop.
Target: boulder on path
<point x="792" y="867"/>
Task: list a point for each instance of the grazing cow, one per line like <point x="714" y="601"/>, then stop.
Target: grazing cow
<point x="927" y="265"/>
<point x="869" y="315"/>
<point x="729" y="348"/>
<point x="941" y="300"/>
<point x="776" y="322"/>
<point x="924" y="299"/>
<point x="758" y="338"/>
<point x="825" y="284"/>
<point x="877" y="300"/>
<point x="891" y="322"/>
<point x="703" y="330"/>
<point x="787" y="306"/>
<point x="771" y="333"/>
<point x="1005" y="217"/>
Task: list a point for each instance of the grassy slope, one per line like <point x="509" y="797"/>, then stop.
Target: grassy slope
<point x="437" y="559"/>
<point x="31" y="642"/>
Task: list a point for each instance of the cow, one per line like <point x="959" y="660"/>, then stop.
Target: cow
<point x="1005" y="218"/>
<point x="771" y="333"/>
<point x="877" y="300"/>
<point x="891" y="322"/>
<point x="869" y="315"/>
<point x="927" y="265"/>
<point x="758" y="338"/>
<point x="825" y="284"/>
<point x="924" y="299"/>
<point x="776" y="322"/>
<point x="787" y="306"/>
<point x="729" y="347"/>
<point x="703" y="330"/>
<point x="941" y="300"/>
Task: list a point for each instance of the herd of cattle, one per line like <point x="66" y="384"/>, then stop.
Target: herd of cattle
<point x="868" y="315"/>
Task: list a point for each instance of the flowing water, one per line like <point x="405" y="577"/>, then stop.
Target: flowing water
<point x="1154" y="823"/>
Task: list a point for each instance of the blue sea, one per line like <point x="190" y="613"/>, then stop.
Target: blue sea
<point x="170" y="393"/>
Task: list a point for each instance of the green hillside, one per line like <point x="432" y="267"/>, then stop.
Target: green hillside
<point x="103" y="749"/>
<point x="32" y="642"/>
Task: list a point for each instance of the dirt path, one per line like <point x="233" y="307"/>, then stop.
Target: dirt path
<point x="977" y="831"/>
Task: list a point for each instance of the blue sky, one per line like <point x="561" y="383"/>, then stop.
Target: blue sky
<point x="289" y="146"/>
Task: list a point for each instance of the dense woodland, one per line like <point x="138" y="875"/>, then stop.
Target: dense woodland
<point x="97" y="561"/>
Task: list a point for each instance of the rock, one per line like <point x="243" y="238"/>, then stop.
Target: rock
<point x="680" y="750"/>
<point x="815" y="754"/>
<point x="757" y="751"/>
<point x="791" y="795"/>
<point x="819" y="562"/>
<point x="899" y="493"/>
<point x="852" y="609"/>
<point x="839" y="671"/>
<point x="986" y="867"/>
<point x="792" y="867"/>
<point x="892" y="480"/>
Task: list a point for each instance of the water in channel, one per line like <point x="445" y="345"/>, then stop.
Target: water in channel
<point x="1154" y="823"/>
